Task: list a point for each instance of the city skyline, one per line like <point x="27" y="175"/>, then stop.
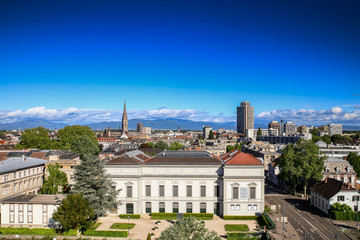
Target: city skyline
<point x="77" y="62"/>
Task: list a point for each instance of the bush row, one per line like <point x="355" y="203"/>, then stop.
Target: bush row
<point x="35" y="231"/>
<point x="173" y="216"/>
<point x="230" y="217"/>
<point x="240" y="236"/>
<point x="337" y="215"/>
<point x="106" y="233"/>
<point x="132" y="216"/>
<point x="122" y="226"/>
<point x="264" y="220"/>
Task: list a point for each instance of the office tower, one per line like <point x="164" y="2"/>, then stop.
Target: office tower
<point x="139" y="127"/>
<point x="275" y="125"/>
<point x="245" y="117"/>
<point x="289" y="128"/>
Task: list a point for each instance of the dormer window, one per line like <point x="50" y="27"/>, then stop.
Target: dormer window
<point x="327" y="170"/>
<point x="349" y="169"/>
<point x="337" y="169"/>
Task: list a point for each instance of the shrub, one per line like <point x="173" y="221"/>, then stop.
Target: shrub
<point x="106" y="233"/>
<point x="132" y="216"/>
<point x="95" y="226"/>
<point x="122" y="226"/>
<point x="173" y="216"/>
<point x="230" y="217"/>
<point x="264" y="220"/>
<point x="267" y="209"/>
<point x="236" y="227"/>
<point x="148" y="236"/>
<point x="35" y="231"/>
<point x="337" y="215"/>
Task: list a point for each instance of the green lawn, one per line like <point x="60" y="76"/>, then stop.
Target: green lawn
<point x="236" y="227"/>
<point x="122" y="226"/>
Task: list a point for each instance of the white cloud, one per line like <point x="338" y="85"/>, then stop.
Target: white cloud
<point x="311" y="116"/>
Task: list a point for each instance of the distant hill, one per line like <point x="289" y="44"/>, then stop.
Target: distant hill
<point x="166" y="124"/>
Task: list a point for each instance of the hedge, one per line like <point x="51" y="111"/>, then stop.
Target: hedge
<point x="267" y="209"/>
<point x="122" y="226"/>
<point x="265" y="221"/>
<point x="95" y="226"/>
<point x="231" y="217"/>
<point x="173" y="216"/>
<point x="240" y="236"/>
<point x="337" y="215"/>
<point x="106" y="233"/>
<point x="132" y="216"/>
<point x="236" y="227"/>
<point x="35" y="231"/>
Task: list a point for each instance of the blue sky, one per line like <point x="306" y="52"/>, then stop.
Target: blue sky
<point x="297" y="60"/>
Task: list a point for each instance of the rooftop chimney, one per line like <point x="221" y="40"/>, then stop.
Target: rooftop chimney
<point x="24" y="158"/>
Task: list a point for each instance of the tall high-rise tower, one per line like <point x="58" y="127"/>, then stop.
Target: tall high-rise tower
<point x="124" y="120"/>
<point x="245" y="117"/>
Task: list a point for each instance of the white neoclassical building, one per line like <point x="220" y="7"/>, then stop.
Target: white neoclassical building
<point x="189" y="182"/>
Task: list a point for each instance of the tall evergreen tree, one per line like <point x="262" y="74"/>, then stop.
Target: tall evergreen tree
<point x="83" y="145"/>
<point x="95" y="185"/>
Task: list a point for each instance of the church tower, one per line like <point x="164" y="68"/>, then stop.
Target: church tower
<point x="124" y="120"/>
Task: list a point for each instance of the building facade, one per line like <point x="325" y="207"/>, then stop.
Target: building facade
<point x="139" y="127"/>
<point x="188" y="182"/>
<point x="339" y="169"/>
<point x="32" y="211"/>
<point x="206" y="131"/>
<point x="275" y="125"/>
<point x="335" y="128"/>
<point x="245" y="117"/>
<point x="252" y="133"/>
<point x="289" y="128"/>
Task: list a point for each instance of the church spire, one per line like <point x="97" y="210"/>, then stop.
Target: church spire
<point x="124" y="120"/>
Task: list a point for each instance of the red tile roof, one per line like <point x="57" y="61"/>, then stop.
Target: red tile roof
<point x="237" y="157"/>
<point x="2" y="155"/>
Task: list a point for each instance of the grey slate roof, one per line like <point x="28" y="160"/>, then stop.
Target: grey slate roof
<point x="34" y="198"/>
<point x="336" y="160"/>
<point x="17" y="163"/>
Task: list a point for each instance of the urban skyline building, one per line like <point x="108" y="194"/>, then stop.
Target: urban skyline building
<point x="275" y="125"/>
<point x="139" y="127"/>
<point x="245" y="117"/>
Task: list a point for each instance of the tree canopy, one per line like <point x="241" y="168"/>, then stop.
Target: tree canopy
<point x="56" y="181"/>
<point x="301" y="160"/>
<point x="238" y="146"/>
<point x="175" y="146"/>
<point x="74" y="213"/>
<point x="147" y="145"/>
<point x="92" y="181"/>
<point x="258" y="133"/>
<point x="69" y="134"/>
<point x="188" y="229"/>
<point x="83" y="145"/>
<point x="354" y="160"/>
<point x="162" y="145"/>
<point x="211" y="134"/>
<point x="35" y="138"/>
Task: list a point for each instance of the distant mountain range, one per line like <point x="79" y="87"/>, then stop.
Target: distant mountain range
<point x="166" y="124"/>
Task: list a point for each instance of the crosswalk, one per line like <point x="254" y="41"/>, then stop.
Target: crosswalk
<point x="275" y="195"/>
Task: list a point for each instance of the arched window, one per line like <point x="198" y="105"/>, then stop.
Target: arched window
<point x="175" y="207"/>
<point x="148" y="207"/>
<point x="203" y="207"/>
<point x="161" y="207"/>
<point x="189" y="207"/>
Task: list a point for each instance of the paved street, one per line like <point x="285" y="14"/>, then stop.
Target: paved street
<point x="308" y="225"/>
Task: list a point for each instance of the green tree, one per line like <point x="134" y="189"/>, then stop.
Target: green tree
<point x="237" y="146"/>
<point x="301" y="160"/>
<point x="326" y="139"/>
<point x="83" y="145"/>
<point x="211" y="134"/>
<point x="35" y="138"/>
<point x="2" y="135"/>
<point x="175" y="146"/>
<point x="354" y="160"/>
<point x="337" y="138"/>
<point x="258" y="133"/>
<point x="92" y="181"/>
<point x="69" y="134"/>
<point x="74" y="213"/>
<point x="188" y="229"/>
<point x="162" y="145"/>
<point x="56" y="181"/>
<point x="340" y="207"/>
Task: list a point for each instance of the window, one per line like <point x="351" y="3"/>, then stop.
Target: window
<point x="175" y="207"/>
<point x="44" y="208"/>
<point x="216" y="191"/>
<point x="11" y="214"/>
<point x="327" y="170"/>
<point x="37" y="170"/>
<point x="249" y="207"/>
<point x="337" y="169"/>
<point x="29" y="172"/>
<point x="255" y="207"/>
<point x="34" y="171"/>
<point x="252" y="193"/>
<point x="21" y="213"/>
<point x="355" y="198"/>
<point x="232" y="207"/>
<point x="19" y="174"/>
<point x="148" y="207"/>
<point x="129" y="208"/>
<point x="235" y="192"/>
<point x="175" y="191"/>
<point x="14" y="175"/>
<point x="129" y="191"/>
<point x="30" y="214"/>
<point x="203" y="207"/>
<point x="203" y="191"/>
<point x="161" y="190"/>
<point x="349" y="180"/>
<point x="15" y="187"/>
<point x="189" y="191"/>
<point x="11" y="207"/>
<point x="189" y="207"/>
<point x="161" y="207"/>
<point x="355" y="208"/>
<point x="237" y="207"/>
<point x="44" y="218"/>
<point x="148" y="190"/>
<point x="24" y="173"/>
<point x="341" y="198"/>
<point x="19" y="186"/>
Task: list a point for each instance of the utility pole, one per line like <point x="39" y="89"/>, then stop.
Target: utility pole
<point x="284" y="218"/>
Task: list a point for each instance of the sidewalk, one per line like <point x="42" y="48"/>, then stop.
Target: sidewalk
<point x="277" y="233"/>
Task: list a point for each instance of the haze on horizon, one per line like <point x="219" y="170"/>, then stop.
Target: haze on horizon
<point x="78" y="61"/>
